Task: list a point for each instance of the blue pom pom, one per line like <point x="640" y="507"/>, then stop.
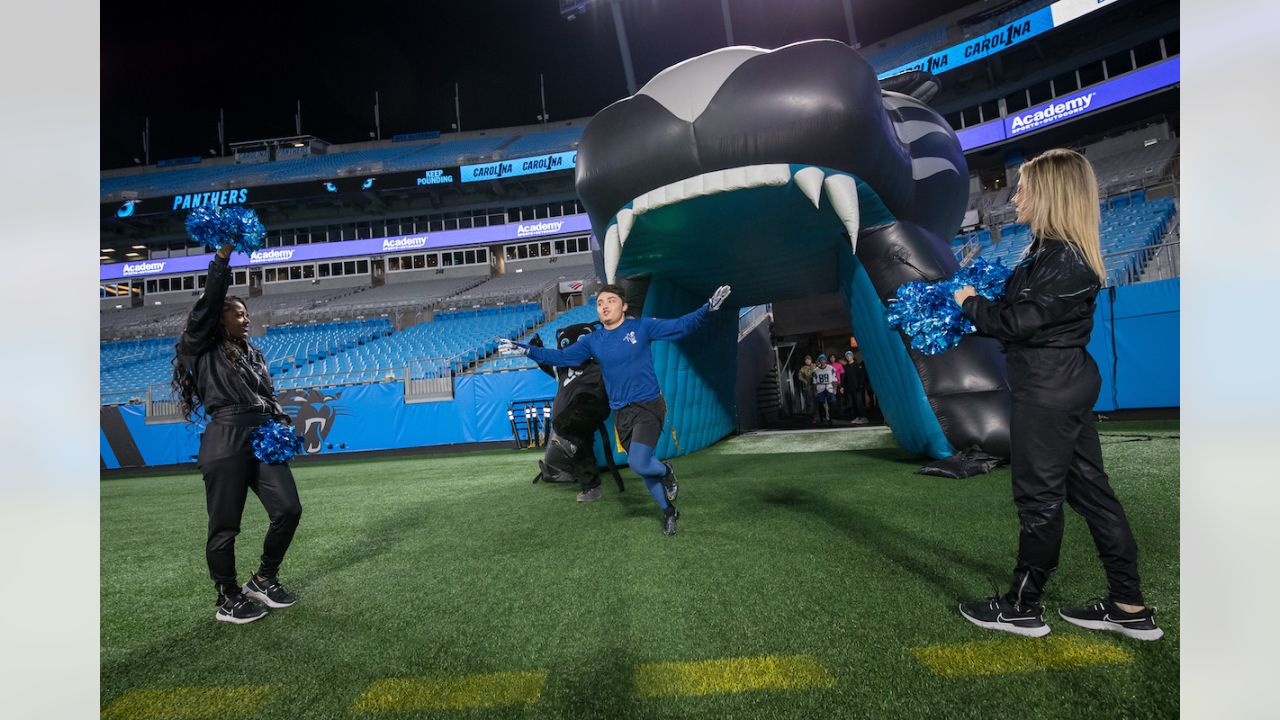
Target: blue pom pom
<point x="928" y="314"/>
<point x="214" y="226"/>
<point x="203" y="227"/>
<point x="275" y="443"/>
<point x="988" y="278"/>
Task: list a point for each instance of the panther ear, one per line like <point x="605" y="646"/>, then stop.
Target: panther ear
<point x="921" y="85"/>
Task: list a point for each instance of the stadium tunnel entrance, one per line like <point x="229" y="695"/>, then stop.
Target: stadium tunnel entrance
<point x="772" y="245"/>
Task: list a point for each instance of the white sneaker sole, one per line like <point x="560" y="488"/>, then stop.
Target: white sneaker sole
<point x="1153" y="634"/>
<point x="1007" y="627"/>
<point x="235" y="620"/>
<point x="262" y="598"/>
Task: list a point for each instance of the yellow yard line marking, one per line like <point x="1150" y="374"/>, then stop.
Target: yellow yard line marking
<point x="451" y="693"/>
<point x="732" y="675"/>
<point x="190" y="702"/>
<point x="1014" y="655"/>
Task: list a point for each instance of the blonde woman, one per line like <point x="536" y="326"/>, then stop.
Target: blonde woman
<point x="1043" y="322"/>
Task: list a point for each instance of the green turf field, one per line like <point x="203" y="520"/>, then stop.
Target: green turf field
<point x="814" y="576"/>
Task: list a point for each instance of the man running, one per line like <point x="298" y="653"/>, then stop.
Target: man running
<point x="622" y="348"/>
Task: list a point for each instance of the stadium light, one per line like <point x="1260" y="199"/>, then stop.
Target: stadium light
<point x="108" y="249"/>
<point x="570" y="9"/>
<point x="139" y="247"/>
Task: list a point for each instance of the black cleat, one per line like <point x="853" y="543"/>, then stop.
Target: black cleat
<point x="997" y="613"/>
<point x="1103" y="614"/>
<point x="589" y="496"/>
<point x="268" y="591"/>
<point x="238" y="609"/>
<point x="669" y="522"/>
<point x="669" y="485"/>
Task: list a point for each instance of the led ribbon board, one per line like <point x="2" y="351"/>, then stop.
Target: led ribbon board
<point x="1074" y="105"/>
<point x="1003" y="37"/>
<point x="519" y="166"/>
<point x="549" y="227"/>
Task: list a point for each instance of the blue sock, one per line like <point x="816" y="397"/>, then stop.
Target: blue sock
<point x="640" y="457"/>
<point x="656" y="490"/>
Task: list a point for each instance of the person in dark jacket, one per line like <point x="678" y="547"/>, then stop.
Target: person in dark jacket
<point x="580" y="407"/>
<point x="855" y="381"/>
<point x="218" y="369"/>
<point x="1043" y="322"/>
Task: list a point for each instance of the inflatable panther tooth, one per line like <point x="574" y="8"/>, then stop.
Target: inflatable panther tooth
<point x="789" y="173"/>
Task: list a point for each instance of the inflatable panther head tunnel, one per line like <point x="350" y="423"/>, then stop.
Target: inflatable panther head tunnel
<point x="788" y="173"/>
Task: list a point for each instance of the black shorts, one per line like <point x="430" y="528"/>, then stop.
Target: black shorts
<point x="640" y="422"/>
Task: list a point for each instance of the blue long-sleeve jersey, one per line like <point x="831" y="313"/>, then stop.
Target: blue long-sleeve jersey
<point x="624" y="355"/>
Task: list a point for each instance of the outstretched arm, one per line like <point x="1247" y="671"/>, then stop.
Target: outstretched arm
<point x="676" y="328"/>
<point x="575" y="354"/>
<point x="207" y="313"/>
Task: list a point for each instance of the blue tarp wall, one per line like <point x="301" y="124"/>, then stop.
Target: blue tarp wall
<point x="361" y="417"/>
<point x="1136" y="344"/>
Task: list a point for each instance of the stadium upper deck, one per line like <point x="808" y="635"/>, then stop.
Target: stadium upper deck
<point x="338" y="160"/>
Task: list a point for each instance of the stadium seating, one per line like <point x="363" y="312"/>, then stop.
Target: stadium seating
<point x="128" y="367"/>
<point x="1128" y="227"/>
<point x="146" y="321"/>
<point x="1134" y="168"/>
<point x="336" y="163"/>
<point x="333" y="353"/>
<point x="452" y="341"/>
<point x="394" y="296"/>
<point x="544" y="142"/>
<point x="525" y="283"/>
<point x="583" y="314"/>
<point x="381" y="160"/>
<point x="173" y="182"/>
<point x="913" y="48"/>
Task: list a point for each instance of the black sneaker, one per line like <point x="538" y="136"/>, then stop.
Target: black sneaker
<point x="669" y="484"/>
<point x="1103" y="614"/>
<point x="997" y="613"/>
<point x="238" y="609"/>
<point x="268" y="591"/>
<point x="588" y="496"/>
<point x="669" y="522"/>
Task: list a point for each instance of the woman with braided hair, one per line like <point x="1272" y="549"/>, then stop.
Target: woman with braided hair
<point x="216" y="368"/>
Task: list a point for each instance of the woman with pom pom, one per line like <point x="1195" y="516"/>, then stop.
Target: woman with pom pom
<point x="1044" y="321"/>
<point x="218" y="369"/>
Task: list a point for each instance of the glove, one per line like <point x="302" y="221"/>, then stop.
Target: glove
<point x="717" y="299"/>
<point x="511" y="347"/>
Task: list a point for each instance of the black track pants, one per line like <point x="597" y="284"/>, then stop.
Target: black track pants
<point x="1057" y="457"/>
<point x="227" y="481"/>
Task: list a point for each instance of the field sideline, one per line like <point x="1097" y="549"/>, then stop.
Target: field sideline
<point x="814" y="576"/>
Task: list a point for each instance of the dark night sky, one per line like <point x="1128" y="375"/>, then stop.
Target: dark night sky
<point x="179" y="63"/>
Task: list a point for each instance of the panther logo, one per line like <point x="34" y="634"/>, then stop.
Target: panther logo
<point x="313" y="415"/>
